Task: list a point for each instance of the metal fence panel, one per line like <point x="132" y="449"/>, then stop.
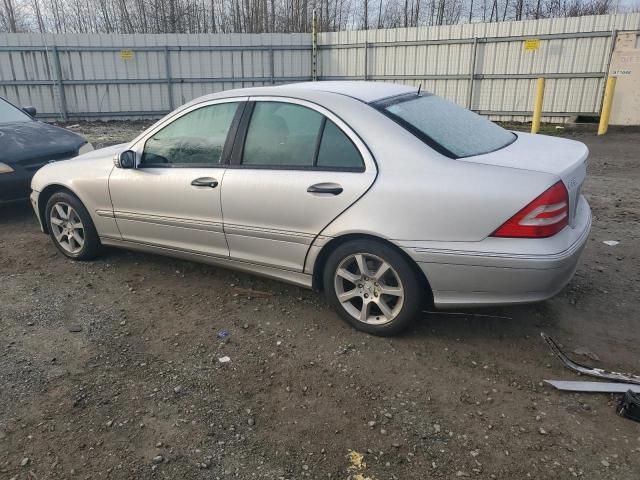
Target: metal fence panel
<point x="482" y="66"/>
<point x="114" y="76"/>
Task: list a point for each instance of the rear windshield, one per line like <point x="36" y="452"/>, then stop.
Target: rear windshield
<point x="11" y="114"/>
<point x="445" y="126"/>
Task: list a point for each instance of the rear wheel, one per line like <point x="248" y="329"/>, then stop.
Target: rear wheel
<point x="373" y="287"/>
<point x="70" y="227"/>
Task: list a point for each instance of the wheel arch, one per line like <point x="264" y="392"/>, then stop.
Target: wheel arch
<point x="44" y="197"/>
<point x="321" y="259"/>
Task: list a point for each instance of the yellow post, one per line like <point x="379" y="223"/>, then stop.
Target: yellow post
<point x="537" y="107"/>
<point x="606" y="105"/>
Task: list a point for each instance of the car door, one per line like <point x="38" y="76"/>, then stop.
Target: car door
<point x="172" y="197"/>
<point x="295" y="167"/>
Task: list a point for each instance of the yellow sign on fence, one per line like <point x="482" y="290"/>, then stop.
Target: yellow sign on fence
<point x="126" y="54"/>
<point x="532" y="44"/>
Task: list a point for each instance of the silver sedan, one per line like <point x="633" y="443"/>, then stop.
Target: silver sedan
<point x="385" y="197"/>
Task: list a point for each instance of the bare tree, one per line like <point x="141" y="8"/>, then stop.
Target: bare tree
<point x="257" y="16"/>
<point x="9" y="16"/>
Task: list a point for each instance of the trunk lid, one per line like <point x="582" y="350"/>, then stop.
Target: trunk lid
<point x="566" y="159"/>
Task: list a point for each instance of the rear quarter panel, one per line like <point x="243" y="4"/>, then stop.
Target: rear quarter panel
<point x="420" y="194"/>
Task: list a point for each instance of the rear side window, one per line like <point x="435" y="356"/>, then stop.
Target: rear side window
<point x="336" y="150"/>
<point x="286" y="135"/>
<point x="445" y="126"/>
<point x="197" y="138"/>
<point x="281" y="134"/>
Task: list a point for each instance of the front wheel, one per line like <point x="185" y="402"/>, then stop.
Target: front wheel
<point x="373" y="287"/>
<point x="70" y="227"/>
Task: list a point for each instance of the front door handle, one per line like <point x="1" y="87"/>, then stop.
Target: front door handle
<point x="326" y="188"/>
<point x="205" y="182"/>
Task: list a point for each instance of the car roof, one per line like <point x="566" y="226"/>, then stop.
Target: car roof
<point x="360" y="90"/>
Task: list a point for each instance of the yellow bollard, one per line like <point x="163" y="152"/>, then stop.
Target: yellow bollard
<point x="537" y="107"/>
<point x="606" y="105"/>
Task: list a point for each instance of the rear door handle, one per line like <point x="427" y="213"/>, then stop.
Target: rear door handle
<point x="205" y="182"/>
<point x="326" y="188"/>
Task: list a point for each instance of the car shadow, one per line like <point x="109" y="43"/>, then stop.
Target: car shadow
<point x="497" y="323"/>
<point x="490" y="323"/>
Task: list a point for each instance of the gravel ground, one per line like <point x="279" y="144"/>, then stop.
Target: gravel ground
<point x="111" y="369"/>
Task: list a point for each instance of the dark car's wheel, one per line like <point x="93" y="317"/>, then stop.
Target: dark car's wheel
<point x="373" y="287"/>
<point x="70" y="227"/>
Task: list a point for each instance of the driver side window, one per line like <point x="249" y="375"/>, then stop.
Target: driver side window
<point x="195" y="139"/>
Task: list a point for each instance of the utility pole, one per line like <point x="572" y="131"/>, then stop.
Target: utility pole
<point x="366" y="14"/>
<point x="314" y="47"/>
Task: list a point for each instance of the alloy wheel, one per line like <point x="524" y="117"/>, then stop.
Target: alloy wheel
<point x="369" y="289"/>
<point x="67" y="227"/>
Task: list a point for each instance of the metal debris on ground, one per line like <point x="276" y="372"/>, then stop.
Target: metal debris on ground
<point x="223" y="334"/>
<point x="224" y="359"/>
<point x="593" y="387"/>
<point x="629" y="406"/>
<point x="611" y="243"/>
<point x="587" y="370"/>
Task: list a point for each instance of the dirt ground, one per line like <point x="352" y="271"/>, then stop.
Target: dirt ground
<point x="111" y="369"/>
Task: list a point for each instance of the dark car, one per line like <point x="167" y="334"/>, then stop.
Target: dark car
<point x="27" y="144"/>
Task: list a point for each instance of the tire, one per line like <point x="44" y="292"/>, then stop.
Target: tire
<point x="400" y="288"/>
<point x="70" y="227"/>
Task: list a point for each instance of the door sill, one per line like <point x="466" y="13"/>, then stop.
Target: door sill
<point x="295" y="278"/>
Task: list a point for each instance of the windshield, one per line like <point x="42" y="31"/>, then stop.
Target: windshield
<point x="448" y="128"/>
<point x="10" y="114"/>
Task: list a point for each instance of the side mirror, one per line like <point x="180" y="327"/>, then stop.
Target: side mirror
<point x="126" y="159"/>
<point x="31" y="111"/>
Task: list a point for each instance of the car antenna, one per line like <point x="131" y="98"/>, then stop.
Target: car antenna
<point x="419" y="88"/>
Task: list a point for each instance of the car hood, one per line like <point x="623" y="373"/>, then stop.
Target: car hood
<point x="100" y="155"/>
<point x="31" y="141"/>
<point x="94" y="165"/>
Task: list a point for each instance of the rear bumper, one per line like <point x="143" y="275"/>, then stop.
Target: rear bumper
<point x="498" y="271"/>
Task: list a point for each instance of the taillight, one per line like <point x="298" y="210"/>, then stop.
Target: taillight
<point x="544" y="217"/>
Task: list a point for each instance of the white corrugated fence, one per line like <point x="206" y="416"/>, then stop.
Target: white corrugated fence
<point x="488" y="67"/>
<point x="116" y="76"/>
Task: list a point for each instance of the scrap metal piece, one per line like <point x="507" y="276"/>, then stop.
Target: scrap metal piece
<point x="587" y="370"/>
<point x="593" y="387"/>
<point x="629" y="406"/>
